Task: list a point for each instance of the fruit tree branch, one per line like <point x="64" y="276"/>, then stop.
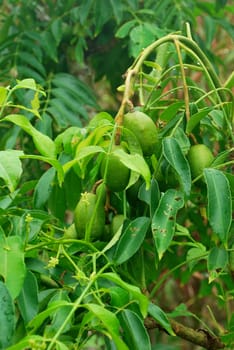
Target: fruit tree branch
<point x="199" y="337"/>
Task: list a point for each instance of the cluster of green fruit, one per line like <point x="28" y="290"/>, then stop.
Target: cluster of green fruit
<point x="90" y="214"/>
<point x="91" y="211"/>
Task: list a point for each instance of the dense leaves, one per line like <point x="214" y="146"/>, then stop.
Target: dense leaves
<point x="65" y="282"/>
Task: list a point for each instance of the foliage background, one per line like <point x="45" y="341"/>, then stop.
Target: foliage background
<point x="78" y="52"/>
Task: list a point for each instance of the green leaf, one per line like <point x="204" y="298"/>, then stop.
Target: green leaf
<point x="219" y="203"/>
<point x="12" y="266"/>
<point x="117" y="8"/>
<point x="119" y="297"/>
<point x="43" y="189"/>
<point x="36" y="322"/>
<point x="160" y="317"/>
<point x="131" y="239"/>
<point x="171" y="111"/>
<point x="195" y="119"/>
<point x="181" y="311"/>
<point x="141" y="36"/>
<point x="176" y="158"/>
<point x="134" y="291"/>
<point x="217" y="262"/>
<point x="82" y="154"/>
<point x="26" y="84"/>
<point x="164" y="220"/>
<point x="7" y="317"/>
<point x="134" y="332"/>
<point x="195" y="254"/>
<point x="135" y="162"/>
<point x="27" y="342"/>
<point x="56" y="29"/>
<point x="124" y="30"/>
<point x="60" y="315"/>
<point x="54" y="162"/>
<point x="42" y="142"/>
<point x="3" y="95"/>
<point x="110" y="322"/>
<point x="28" y="298"/>
<point x="11" y="168"/>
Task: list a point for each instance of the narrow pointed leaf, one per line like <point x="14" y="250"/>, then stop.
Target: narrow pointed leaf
<point x="131" y="239"/>
<point x="134" y="331"/>
<point x="217" y="261"/>
<point x="164" y="220"/>
<point x="7" y="317"/>
<point x="10" y="168"/>
<point x="176" y="158"/>
<point x="135" y="162"/>
<point x="12" y="266"/>
<point x="28" y="298"/>
<point x="219" y="202"/>
<point x="42" y="142"/>
<point x="160" y="317"/>
<point x="134" y="291"/>
<point x="110" y="322"/>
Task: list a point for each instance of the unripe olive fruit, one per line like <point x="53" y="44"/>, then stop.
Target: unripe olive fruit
<point x="70" y="232"/>
<point x="117" y="174"/>
<point x="84" y="212"/>
<point x="199" y="157"/>
<point x="116" y="222"/>
<point x="144" y="129"/>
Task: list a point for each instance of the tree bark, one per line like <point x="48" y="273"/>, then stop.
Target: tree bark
<point x="199" y="337"/>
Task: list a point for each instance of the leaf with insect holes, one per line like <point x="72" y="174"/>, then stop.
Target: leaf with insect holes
<point x="164" y="220"/>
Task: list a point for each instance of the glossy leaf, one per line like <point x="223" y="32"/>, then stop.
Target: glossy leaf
<point x="3" y="95"/>
<point x="11" y="168"/>
<point x="131" y="239"/>
<point x="58" y="318"/>
<point x="123" y="30"/>
<point x="157" y="313"/>
<point x="42" y="142"/>
<point x="36" y="322"/>
<point x="12" y="266"/>
<point x="195" y="254"/>
<point x="110" y="322"/>
<point x="164" y="220"/>
<point x="134" y="291"/>
<point x="43" y="189"/>
<point x="7" y="317"/>
<point x="150" y="196"/>
<point x="28" y="298"/>
<point x="195" y="119"/>
<point x="54" y="162"/>
<point x="171" y="111"/>
<point x="217" y="262"/>
<point x="219" y="203"/>
<point x="176" y="158"/>
<point x="26" y="342"/>
<point x="136" y="163"/>
<point x="134" y="332"/>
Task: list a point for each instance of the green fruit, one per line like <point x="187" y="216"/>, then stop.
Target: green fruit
<point x="144" y="129"/>
<point x="199" y="157"/>
<point x="116" y="222"/>
<point x="117" y="175"/>
<point x="87" y="213"/>
<point x="70" y="232"/>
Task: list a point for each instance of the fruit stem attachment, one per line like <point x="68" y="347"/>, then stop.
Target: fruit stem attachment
<point x="181" y="42"/>
<point x="128" y="92"/>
